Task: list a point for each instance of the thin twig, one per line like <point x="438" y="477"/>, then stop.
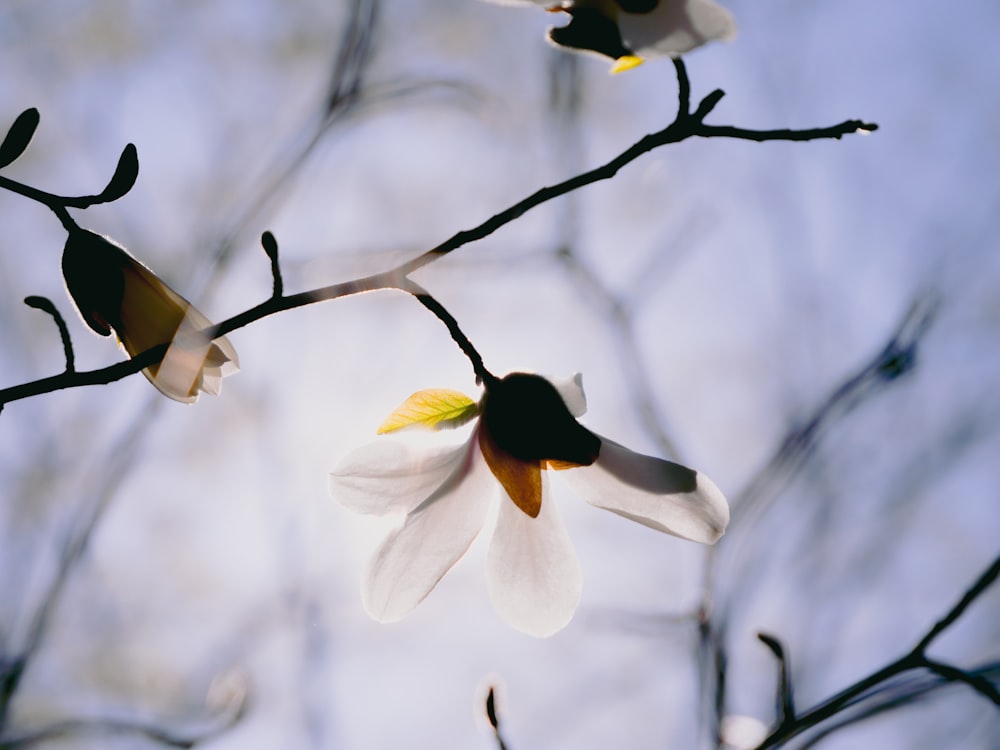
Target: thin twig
<point x="491" y="715"/>
<point x="424" y="297"/>
<point x="915" y="659"/>
<point x="683" y="127"/>
<point x="45" y="305"/>
<point x="270" y="246"/>
<point x="905" y="690"/>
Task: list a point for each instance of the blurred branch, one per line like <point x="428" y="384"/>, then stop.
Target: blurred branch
<point x="207" y="729"/>
<point x="895" y="359"/>
<point x="343" y="93"/>
<point x="71" y="550"/>
<point x="565" y="105"/>
<point x="685" y="125"/>
<point x="916" y="659"/>
<point x="629" y="357"/>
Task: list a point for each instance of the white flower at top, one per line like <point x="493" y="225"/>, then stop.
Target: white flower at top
<point x="525" y="427"/>
<point x="629" y="31"/>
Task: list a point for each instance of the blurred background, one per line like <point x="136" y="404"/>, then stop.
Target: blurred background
<point x="813" y="325"/>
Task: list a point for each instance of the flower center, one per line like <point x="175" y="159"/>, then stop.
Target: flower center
<point x="526" y="427"/>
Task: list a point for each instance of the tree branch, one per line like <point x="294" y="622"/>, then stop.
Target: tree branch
<point x="684" y="126"/>
<point x="915" y="659"/>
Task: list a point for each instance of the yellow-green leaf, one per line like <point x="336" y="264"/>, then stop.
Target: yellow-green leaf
<point x="436" y="408"/>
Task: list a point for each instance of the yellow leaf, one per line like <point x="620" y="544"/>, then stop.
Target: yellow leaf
<point x="436" y="408"/>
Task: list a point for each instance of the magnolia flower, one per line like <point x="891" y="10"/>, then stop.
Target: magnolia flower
<point x="628" y="31"/>
<point x="525" y="428"/>
<point x="114" y="292"/>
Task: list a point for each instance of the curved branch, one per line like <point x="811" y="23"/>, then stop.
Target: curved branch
<point x="685" y="125"/>
<point x="427" y="300"/>
<point x="45" y="305"/>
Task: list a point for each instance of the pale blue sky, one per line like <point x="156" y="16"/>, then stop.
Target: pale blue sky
<point x="757" y="277"/>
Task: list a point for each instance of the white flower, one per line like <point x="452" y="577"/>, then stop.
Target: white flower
<point x="115" y="292"/>
<point x="526" y="427"/>
<point x="631" y="30"/>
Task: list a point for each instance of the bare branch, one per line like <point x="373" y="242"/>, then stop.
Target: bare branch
<point x="915" y="659"/>
<point x="45" y="305"/>
<point x="683" y="127"/>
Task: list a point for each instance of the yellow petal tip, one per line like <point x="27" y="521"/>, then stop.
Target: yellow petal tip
<point x="626" y="62"/>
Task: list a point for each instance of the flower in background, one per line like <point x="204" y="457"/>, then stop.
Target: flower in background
<point x="629" y="31"/>
<point x="525" y="427"/>
<point x="114" y="292"/>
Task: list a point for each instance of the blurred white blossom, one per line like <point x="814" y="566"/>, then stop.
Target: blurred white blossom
<point x="629" y="31"/>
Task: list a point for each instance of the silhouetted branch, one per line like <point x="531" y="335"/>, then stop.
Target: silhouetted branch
<point x="44" y="304"/>
<point x="896" y="358"/>
<point x="684" y="126"/>
<point x="491" y="715"/>
<point x="982" y="583"/>
<point x="424" y="298"/>
<point x="904" y="690"/>
<point x="915" y="659"/>
<point x="124" y="177"/>
<point x="270" y="246"/>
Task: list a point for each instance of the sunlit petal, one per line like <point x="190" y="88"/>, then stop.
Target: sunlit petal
<point x="113" y="290"/>
<point x="676" y="27"/>
<point x="395" y="476"/>
<point x="194" y="363"/>
<point x="571" y="390"/>
<point x="412" y="559"/>
<point x="532" y="572"/>
<point x="657" y="493"/>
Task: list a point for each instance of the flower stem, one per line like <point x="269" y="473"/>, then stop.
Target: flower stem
<point x="483" y="376"/>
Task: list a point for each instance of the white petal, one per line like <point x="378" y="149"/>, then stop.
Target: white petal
<point x="412" y="559"/>
<point x="532" y="574"/>
<point x="182" y="365"/>
<point x="676" y="27"/>
<point x="185" y="369"/>
<point x="657" y="493"/>
<point x="394" y="476"/>
<point x="571" y="390"/>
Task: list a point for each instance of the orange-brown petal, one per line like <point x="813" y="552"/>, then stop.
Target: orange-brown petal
<point x="522" y="480"/>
